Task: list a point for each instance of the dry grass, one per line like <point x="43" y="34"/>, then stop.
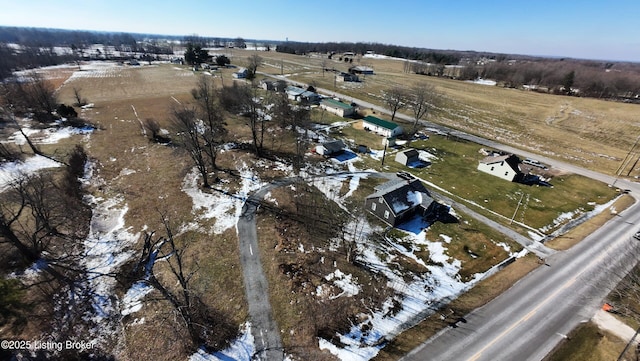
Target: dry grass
<point x="562" y="127"/>
<point x="589" y="343"/>
<point x="148" y="178"/>
<point x="575" y="235"/>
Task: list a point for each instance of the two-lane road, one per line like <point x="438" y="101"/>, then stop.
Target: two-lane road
<point x="529" y="319"/>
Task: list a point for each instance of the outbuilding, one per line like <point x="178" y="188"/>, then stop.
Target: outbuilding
<point x="240" y="74"/>
<point x="331" y="148"/>
<point x="406" y="157"/>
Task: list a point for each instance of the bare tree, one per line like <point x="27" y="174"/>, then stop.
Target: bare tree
<point x="189" y="130"/>
<point x="209" y="110"/>
<point x="35" y="96"/>
<point x="80" y="101"/>
<point x="255" y="61"/>
<point x="45" y="220"/>
<point x="423" y="97"/>
<point x="204" y="325"/>
<point x="395" y="99"/>
<point x="153" y="127"/>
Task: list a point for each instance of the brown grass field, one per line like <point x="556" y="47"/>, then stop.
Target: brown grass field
<point x="148" y="177"/>
<point x="593" y="133"/>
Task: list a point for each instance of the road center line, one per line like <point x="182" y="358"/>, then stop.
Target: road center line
<point x="545" y="301"/>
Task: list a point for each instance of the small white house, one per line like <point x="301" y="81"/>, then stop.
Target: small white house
<point x="331" y="148"/>
<point x="506" y="167"/>
<point x="337" y="107"/>
<point x="240" y="74"/>
<point x="382" y="127"/>
<point x="407" y="157"/>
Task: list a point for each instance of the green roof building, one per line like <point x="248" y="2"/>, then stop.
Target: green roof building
<point x="380" y="126"/>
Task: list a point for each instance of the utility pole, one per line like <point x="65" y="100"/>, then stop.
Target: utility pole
<point x="516" y="211"/>
<point x="384" y="153"/>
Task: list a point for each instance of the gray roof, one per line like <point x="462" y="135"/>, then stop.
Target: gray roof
<point x="402" y="195"/>
<point x="334" y="146"/>
<point x="295" y="90"/>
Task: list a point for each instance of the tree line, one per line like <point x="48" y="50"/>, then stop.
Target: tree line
<point x="428" y="55"/>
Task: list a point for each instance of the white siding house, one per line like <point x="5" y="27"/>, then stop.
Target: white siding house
<point x="506" y="167"/>
<point x="407" y="157"/>
<point x="336" y="107"/>
<point x="382" y="127"/>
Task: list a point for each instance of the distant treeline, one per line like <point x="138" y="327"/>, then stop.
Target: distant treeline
<point x="587" y="78"/>
<point x="604" y="80"/>
<point x="427" y="55"/>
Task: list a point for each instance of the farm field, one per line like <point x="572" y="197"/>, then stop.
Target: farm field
<point x="334" y="296"/>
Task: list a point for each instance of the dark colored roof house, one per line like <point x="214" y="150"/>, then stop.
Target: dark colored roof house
<point x="506" y="167"/>
<point x="407" y="157"/>
<point x="398" y="200"/>
<point x="361" y="70"/>
<point x="331" y="148"/>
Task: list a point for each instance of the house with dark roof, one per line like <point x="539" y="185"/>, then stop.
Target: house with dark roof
<point x="346" y="77"/>
<point x="400" y="199"/>
<point x="380" y="126"/>
<point x="336" y="107"/>
<point x="332" y="148"/>
<point x="409" y="156"/>
<point x="506" y="167"/>
<point x="360" y="69"/>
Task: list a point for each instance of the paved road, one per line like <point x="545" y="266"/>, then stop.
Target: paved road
<point x="264" y="328"/>
<point x="528" y="320"/>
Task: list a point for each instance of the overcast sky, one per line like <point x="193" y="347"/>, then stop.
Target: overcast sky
<point x="593" y="29"/>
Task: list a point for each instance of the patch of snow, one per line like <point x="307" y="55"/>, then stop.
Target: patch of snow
<point x="12" y="171"/>
<point x="345" y="282"/>
<point x="132" y="300"/>
<point x="106" y="249"/>
<point x="126" y="171"/>
<point x="242" y="349"/>
<point x="414" y="296"/>
<point x="222" y="205"/>
<point x="483" y="81"/>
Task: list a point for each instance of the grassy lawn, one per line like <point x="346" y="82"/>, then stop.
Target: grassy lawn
<point x="455" y="170"/>
<point x="589" y="343"/>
